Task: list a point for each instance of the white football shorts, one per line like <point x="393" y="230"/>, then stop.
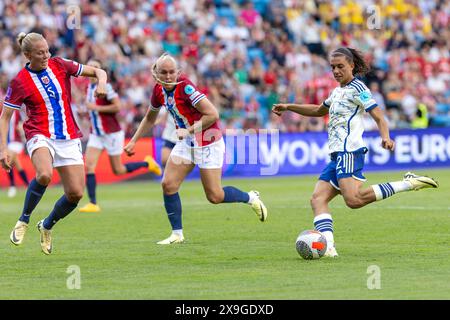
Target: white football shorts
<point x="207" y="157"/>
<point x="64" y="152"/>
<point x="112" y="142"/>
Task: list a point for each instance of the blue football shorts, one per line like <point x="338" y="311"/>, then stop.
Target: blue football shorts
<point x="344" y="165"/>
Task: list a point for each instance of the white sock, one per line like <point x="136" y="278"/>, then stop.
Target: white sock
<point x="386" y="190"/>
<point x="252" y="196"/>
<point x="324" y="224"/>
<point x="178" y="232"/>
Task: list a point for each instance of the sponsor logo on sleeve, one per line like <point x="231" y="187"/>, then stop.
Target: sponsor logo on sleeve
<point x="365" y="96"/>
<point x="194" y="95"/>
<point x="189" y="89"/>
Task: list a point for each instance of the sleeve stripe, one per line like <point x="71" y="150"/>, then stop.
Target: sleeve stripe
<point x="358" y="85"/>
<point x="80" y="70"/>
<point x="362" y="84"/>
<point x="197" y="100"/>
<point x="10" y="105"/>
<point x="358" y="89"/>
<point x="371" y="107"/>
<point x="325" y="104"/>
<point x="153" y="108"/>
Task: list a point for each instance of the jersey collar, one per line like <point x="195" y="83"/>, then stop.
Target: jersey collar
<point x="351" y="81"/>
<point x="27" y="66"/>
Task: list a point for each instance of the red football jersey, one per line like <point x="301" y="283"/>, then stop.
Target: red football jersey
<point x="46" y="95"/>
<point x="181" y="102"/>
<point x="102" y="123"/>
<point x="13" y="130"/>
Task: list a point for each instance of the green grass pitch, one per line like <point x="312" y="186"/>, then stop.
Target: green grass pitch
<point x="229" y="254"/>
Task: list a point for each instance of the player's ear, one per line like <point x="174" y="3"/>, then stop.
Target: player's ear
<point x="352" y="66"/>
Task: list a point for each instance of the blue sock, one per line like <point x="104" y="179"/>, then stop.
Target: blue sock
<point x="324" y="224"/>
<point x="12" y="182"/>
<point x="233" y="194"/>
<point x="173" y="208"/>
<point x="62" y="208"/>
<point x="23" y="176"/>
<point x="34" y="194"/>
<point x="91" y="185"/>
<point x="133" y="166"/>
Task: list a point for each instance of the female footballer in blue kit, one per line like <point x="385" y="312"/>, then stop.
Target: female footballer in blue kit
<point x="346" y="106"/>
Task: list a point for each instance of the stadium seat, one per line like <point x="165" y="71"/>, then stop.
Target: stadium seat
<point x="160" y="27"/>
<point x="226" y="12"/>
<point x="442" y="108"/>
<point x="254" y="53"/>
<point x="260" y="6"/>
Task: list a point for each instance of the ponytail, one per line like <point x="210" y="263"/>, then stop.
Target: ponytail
<point x="25" y="40"/>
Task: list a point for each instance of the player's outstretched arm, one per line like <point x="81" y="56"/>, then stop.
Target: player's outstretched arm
<point x="146" y="124"/>
<point x="100" y="74"/>
<point x="377" y="115"/>
<point x="5" y="119"/>
<point x="309" y="110"/>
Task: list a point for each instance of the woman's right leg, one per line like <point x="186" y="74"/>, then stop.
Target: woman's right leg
<point x="323" y="193"/>
<point x="175" y="172"/>
<point x="43" y="165"/>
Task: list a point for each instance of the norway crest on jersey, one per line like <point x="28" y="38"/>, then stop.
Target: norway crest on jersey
<point x="45" y="80"/>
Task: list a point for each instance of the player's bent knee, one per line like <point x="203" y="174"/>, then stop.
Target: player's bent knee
<point x="214" y="198"/>
<point x="44" y="178"/>
<point x="118" y="171"/>
<point x="74" y="196"/>
<point x="353" y="203"/>
<point x="169" y="187"/>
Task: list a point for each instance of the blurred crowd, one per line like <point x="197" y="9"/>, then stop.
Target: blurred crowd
<point x="248" y="55"/>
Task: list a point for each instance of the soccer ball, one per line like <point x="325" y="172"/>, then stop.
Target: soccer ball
<point x="311" y="244"/>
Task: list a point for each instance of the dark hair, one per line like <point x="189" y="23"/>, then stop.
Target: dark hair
<point x="355" y="56"/>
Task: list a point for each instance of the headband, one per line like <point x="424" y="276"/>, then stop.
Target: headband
<point x="345" y="51"/>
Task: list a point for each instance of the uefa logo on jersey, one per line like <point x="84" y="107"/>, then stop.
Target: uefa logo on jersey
<point x="45" y="80"/>
<point x="189" y="89"/>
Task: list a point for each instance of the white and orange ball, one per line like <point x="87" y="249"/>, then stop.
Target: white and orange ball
<point x="311" y="244"/>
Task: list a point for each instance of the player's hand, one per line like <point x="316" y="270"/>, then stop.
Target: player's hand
<point x="5" y="161"/>
<point x="129" y="148"/>
<point x="279" y="108"/>
<point x="100" y="92"/>
<point x="388" y="144"/>
<point x="182" y="133"/>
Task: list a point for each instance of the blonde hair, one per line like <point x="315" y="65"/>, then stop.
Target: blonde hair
<point x="163" y="57"/>
<point x="26" y="40"/>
